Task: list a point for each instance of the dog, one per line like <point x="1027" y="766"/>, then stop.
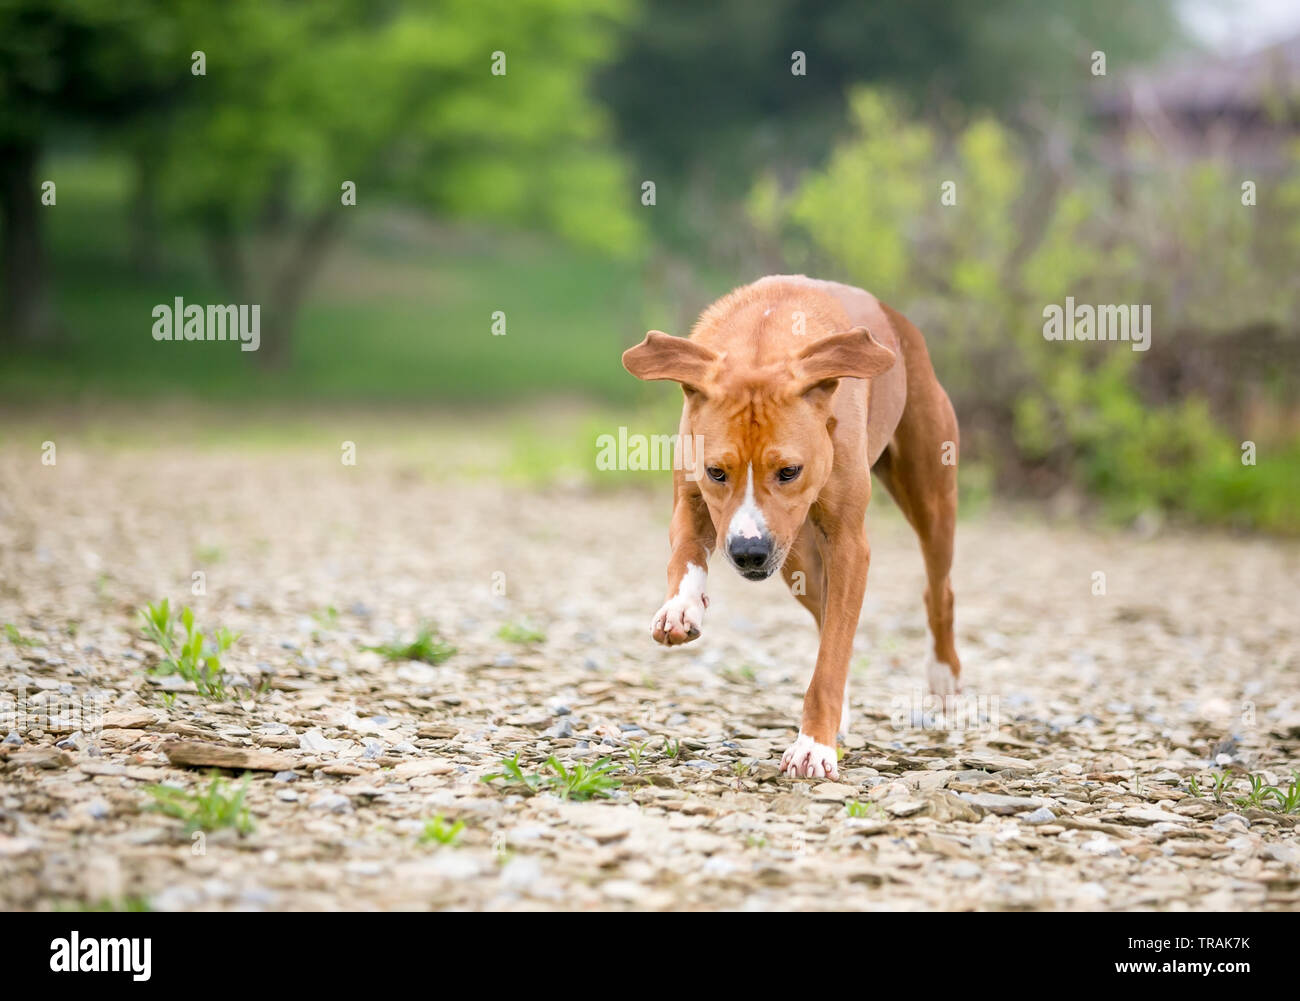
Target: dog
<point x="797" y="390"/>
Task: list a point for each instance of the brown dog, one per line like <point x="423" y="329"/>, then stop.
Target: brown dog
<point x="796" y="390"/>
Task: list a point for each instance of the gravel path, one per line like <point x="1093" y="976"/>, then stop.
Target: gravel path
<point x="1062" y="783"/>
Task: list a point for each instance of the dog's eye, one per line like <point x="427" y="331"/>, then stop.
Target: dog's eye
<point x="717" y="474"/>
<point x="788" y="473"/>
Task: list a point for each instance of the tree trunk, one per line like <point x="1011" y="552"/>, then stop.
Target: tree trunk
<point x="145" y="228"/>
<point x="227" y="257"/>
<point x="286" y="295"/>
<point x="26" y="315"/>
<point x="282" y="292"/>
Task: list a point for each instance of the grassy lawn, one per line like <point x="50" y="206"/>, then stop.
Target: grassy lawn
<point x="401" y="313"/>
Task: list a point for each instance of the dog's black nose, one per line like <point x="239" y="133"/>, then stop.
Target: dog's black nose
<point x="750" y="554"/>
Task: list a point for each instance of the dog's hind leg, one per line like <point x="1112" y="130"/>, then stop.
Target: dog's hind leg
<point x="919" y="469"/>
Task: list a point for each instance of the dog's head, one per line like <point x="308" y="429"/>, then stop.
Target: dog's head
<point x="764" y="432"/>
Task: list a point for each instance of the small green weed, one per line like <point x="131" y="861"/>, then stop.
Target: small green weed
<point x="205" y="810"/>
<point x="438" y="831"/>
<point x="17" y="638"/>
<point x="513" y="774"/>
<point x="582" y="782"/>
<point x="197" y="657"/>
<point x="1268" y="797"/>
<point x="427" y="646"/>
<point x="327" y="617"/>
<point x="578" y="782"/>
<point x="520" y="632"/>
<point x="1288" y="799"/>
<point x="1260" y="796"/>
<point x="736" y="675"/>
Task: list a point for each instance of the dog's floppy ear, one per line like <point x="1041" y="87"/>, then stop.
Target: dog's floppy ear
<point x="660" y="356"/>
<point x="853" y="354"/>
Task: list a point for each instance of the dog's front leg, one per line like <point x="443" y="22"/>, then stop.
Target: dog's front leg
<point x="692" y="536"/>
<point x="846" y="555"/>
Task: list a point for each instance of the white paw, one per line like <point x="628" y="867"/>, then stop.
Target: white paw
<point x="682" y="615"/>
<point x="679" y="621"/>
<point x="807" y="759"/>
<point x="943" y="683"/>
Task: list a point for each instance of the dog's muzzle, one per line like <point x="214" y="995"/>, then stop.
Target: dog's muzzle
<point x="752" y="556"/>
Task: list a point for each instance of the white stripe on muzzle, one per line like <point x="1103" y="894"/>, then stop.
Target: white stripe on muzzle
<point x="748" y="521"/>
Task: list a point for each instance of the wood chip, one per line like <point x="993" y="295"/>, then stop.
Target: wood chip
<point x="200" y="754"/>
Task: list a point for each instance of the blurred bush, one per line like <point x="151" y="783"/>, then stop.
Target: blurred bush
<point x="977" y="275"/>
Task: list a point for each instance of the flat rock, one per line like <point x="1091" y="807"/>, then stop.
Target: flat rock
<point x="948" y="806"/>
<point x="1001" y="805"/>
<point x="834" y="792"/>
<point x="608" y="833"/>
<point x="41" y="757"/>
<point x="437" y="731"/>
<point x="317" y="743"/>
<point x="422" y="766"/>
<point x="11" y="846"/>
<point x="282" y="740"/>
<point x="1151" y="815"/>
<point x="128" y="719"/>
<point x="115" y="737"/>
<point x="998" y="763"/>
<point x="342" y="769"/>
<point x="101" y="768"/>
<point x="199" y="754"/>
<point x="790" y="804"/>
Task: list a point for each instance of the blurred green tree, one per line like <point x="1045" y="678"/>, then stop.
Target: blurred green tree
<point x="67" y="63"/>
<point x="473" y="108"/>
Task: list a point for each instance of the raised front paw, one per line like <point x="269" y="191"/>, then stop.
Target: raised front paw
<point x="679" y="620"/>
<point x="807" y="759"/>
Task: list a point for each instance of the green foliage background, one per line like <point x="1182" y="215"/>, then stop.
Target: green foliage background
<point x="522" y="193"/>
<point x="977" y="280"/>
